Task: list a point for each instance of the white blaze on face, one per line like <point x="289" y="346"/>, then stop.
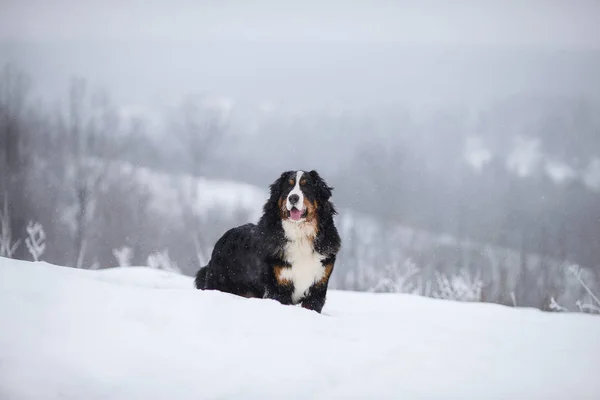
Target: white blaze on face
<point x="296" y="190"/>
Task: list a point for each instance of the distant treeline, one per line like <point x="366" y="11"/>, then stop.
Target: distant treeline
<point x="62" y="165"/>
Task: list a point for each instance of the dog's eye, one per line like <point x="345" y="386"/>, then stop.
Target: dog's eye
<point x="292" y="182"/>
<point x="303" y="182"/>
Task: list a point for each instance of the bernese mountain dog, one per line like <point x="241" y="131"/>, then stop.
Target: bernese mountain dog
<point x="288" y="255"/>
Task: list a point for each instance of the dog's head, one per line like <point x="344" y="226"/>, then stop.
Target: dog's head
<point x="299" y="194"/>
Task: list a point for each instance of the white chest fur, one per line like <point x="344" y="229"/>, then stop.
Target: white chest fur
<point x="306" y="267"/>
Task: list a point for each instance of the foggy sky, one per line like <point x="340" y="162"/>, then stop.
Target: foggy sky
<point x="320" y="54"/>
<point x="572" y="24"/>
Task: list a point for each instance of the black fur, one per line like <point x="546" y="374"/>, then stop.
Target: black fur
<point x="245" y="258"/>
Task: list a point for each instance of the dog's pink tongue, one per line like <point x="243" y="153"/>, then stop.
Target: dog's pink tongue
<point x="295" y="214"/>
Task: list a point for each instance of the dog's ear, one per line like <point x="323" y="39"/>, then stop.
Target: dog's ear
<point x="323" y="190"/>
<point x="276" y="186"/>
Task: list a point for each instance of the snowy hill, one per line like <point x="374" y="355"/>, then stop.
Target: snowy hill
<point x="170" y="193"/>
<point x="138" y="333"/>
<point x="151" y="211"/>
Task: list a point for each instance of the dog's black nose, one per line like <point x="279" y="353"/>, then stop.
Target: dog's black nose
<point x="294" y="199"/>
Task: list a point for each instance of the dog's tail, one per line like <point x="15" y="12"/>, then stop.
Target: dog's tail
<point x="201" y="278"/>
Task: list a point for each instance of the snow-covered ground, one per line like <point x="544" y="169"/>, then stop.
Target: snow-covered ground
<point x="139" y="333"/>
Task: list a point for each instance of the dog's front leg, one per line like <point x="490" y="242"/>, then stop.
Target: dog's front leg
<point x="318" y="292"/>
<point x="316" y="298"/>
<point x="280" y="294"/>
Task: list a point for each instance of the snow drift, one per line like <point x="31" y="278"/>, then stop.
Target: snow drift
<point x="139" y="333"/>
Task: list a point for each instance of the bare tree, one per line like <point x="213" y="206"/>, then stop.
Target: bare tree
<point x="90" y="121"/>
<point x="14" y="152"/>
<point x="199" y="129"/>
<point x="7" y="245"/>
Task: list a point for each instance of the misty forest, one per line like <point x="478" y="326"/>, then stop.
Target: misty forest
<point x="480" y="189"/>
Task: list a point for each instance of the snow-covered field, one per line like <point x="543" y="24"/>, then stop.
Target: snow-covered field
<point x="139" y="333"/>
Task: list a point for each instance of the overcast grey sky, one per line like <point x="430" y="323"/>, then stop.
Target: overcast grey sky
<point x="570" y="23"/>
<point x="151" y="53"/>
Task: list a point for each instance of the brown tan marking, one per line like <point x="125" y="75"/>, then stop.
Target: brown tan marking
<point x="278" y="276"/>
<point x="311" y="209"/>
<point x="282" y="209"/>
<point x="325" y="278"/>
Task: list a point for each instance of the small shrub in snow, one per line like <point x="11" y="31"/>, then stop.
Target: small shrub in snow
<point x="593" y="306"/>
<point x="200" y="254"/>
<point x="398" y="278"/>
<point x="513" y="299"/>
<point x="554" y="306"/>
<point x="460" y="287"/>
<point x="123" y="256"/>
<point x="590" y="307"/>
<point x="36" y="240"/>
<point x="161" y="260"/>
<point x="587" y="307"/>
